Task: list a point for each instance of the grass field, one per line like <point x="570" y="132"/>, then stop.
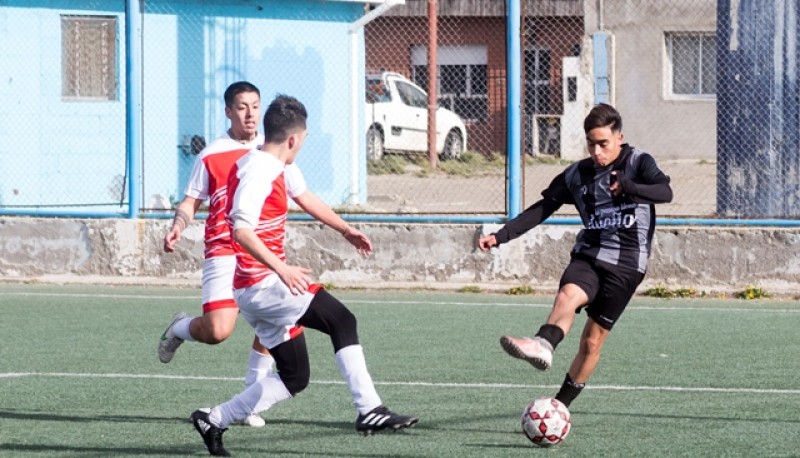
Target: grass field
<point x="79" y="377"/>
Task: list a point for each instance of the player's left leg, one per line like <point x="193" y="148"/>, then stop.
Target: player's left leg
<point x="583" y="365"/>
<point x="328" y="315"/>
<point x="617" y="287"/>
<point x="292" y="361"/>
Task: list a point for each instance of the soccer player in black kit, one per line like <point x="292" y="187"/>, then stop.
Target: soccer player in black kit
<point x="614" y="191"/>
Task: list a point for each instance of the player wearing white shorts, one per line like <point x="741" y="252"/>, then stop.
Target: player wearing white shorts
<point x="208" y="181"/>
<point x="275" y="297"/>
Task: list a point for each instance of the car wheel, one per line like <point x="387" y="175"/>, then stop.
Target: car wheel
<point x="374" y="144"/>
<point x="452" y="145"/>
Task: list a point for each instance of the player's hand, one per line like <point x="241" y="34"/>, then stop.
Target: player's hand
<point x="171" y="239"/>
<point x="486" y="242"/>
<point x="615" y="187"/>
<point x="358" y="240"/>
<point x="295" y="278"/>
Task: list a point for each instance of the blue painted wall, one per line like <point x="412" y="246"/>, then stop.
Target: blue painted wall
<point x="52" y="150"/>
<point x="758" y="119"/>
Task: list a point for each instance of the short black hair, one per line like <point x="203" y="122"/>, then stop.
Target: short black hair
<point x="284" y="116"/>
<point x="238" y="88"/>
<point x="603" y="115"/>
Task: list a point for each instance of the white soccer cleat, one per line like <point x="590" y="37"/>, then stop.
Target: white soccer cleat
<point x="254" y="420"/>
<point x="537" y="351"/>
<point x="168" y="344"/>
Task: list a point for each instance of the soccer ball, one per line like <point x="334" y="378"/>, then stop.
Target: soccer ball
<point x="546" y="422"/>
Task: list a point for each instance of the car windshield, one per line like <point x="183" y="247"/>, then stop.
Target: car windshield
<point x="376" y="91"/>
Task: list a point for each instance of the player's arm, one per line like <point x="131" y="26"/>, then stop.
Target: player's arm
<point x="294" y="277"/>
<point x="246" y="205"/>
<point x="653" y="187"/>
<point x="530" y="218"/>
<point x="184" y="215"/>
<point x="527" y="220"/>
<point x="315" y="207"/>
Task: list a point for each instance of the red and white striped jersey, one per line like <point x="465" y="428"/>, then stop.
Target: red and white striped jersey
<point x="209" y="180"/>
<point x="259" y="187"/>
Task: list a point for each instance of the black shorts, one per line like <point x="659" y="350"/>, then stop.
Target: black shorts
<point x="609" y="287"/>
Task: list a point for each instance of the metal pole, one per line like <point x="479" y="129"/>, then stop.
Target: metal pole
<point x="513" y="107"/>
<point x="433" y="30"/>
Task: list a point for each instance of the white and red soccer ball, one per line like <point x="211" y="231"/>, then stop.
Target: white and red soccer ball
<point x="546" y="421"/>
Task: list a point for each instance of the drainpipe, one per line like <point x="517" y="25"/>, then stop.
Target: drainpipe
<point x="356" y="154"/>
<point x="133" y="99"/>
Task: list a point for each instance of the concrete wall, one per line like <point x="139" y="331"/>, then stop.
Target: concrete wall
<point x="406" y="255"/>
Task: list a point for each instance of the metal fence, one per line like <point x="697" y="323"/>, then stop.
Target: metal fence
<point x="706" y="86"/>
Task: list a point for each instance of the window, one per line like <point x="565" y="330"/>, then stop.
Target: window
<point x="692" y="60"/>
<point x="539" y="89"/>
<point x="572" y="88"/>
<point x="411" y="96"/>
<point x="463" y="84"/>
<point x="89" y="57"/>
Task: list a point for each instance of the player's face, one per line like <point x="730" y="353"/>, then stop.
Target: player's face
<point x="244" y="114"/>
<point x="604" y="145"/>
<point x="296" y="141"/>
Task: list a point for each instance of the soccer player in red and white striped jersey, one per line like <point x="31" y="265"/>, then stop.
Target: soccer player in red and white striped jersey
<point x="275" y="297"/>
<point x="209" y="182"/>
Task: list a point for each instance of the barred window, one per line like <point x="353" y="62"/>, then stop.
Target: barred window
<point x="692" y="60"/>
<point x="463" y="84"/>
<point x="89" y="57"/>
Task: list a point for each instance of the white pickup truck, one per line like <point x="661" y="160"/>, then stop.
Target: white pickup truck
<point x="397" y="120"/>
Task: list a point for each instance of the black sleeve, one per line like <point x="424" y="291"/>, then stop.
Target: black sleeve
<point x="651" y="185"/>
<point x="534" y="215"/>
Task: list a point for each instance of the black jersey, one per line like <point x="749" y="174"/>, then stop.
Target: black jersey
<point x="617" y="230"/>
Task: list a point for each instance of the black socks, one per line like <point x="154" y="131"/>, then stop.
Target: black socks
<point x="569" y="390"/>
<point x="551" y="333"/>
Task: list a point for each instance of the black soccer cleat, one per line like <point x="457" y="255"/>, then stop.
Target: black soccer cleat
<point x="381" y="418"/>
<point x="212" y="436"/>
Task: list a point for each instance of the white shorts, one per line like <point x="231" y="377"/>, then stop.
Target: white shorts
<point x="272" y="310"/>
<point x="218" y="283"/>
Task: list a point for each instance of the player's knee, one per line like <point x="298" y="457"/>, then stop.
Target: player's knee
<point x="346" y="332"/>
<point x="347" y="321"/>
<point x="217" y="332"/>
<point x="570" y="297"/>
<point x="296" y="380"/>
<point x="218" y="335"/>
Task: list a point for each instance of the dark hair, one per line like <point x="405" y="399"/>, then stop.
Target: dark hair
<point x="238" y="88"/>
<point x="603" y="115"/>
<point x="284" y="116"/>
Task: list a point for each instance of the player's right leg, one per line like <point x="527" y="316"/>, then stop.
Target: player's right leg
<point x="219" y="310"/>
<point x="578" y="284"/>
<point x="213" y="327"/>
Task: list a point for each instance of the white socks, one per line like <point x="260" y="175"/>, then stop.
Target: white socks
<point x="263" y="392"/>
<point x="353" y="367"/>
<point x="258" y="397"/>
<point x="259" y="366"/>
<point x="181" y="329"/>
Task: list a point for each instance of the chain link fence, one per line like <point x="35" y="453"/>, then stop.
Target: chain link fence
<point x="466" y="172"/>
<point x="707" y="86"/>
<point x="62" y="116"/>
